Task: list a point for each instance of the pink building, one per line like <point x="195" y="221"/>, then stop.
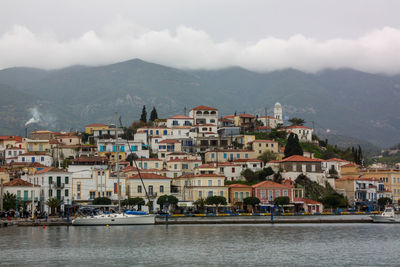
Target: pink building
<point x="267" y="191"/>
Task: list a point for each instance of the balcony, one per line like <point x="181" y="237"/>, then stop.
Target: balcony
<point x="57" y="185"/>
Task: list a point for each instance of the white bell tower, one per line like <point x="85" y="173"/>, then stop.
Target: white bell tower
<point x="278" y="111"/>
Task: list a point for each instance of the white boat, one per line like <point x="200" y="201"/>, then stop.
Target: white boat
<point x="115" y="219"/>
<point x="388" y="216"/>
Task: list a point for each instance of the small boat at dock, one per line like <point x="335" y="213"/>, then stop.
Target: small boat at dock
<point x="388" y="216"/>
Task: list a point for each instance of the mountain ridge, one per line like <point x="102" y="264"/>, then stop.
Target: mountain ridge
<point x="345" y="101"/>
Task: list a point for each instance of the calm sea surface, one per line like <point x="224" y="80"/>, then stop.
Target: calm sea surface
<point x="306" y="245"/>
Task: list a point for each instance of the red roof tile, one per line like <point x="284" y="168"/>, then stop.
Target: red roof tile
<point x="270" y="184"/>
<point x="247" y="160"/>
<point x="203" y="108"/>
<point x="18" y="182"/>
<point x="169" y="141"/>
<point x="50" y="169"/>
<point x="240" y="185"/>
<point x="148" y="176"/>
<point x="182" y="117"/>
<point x="298" y="158"/>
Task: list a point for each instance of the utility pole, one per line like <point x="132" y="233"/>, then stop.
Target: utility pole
<point x="33" y="198"/>
<point x="1" y="197"/>
<point x="117" y="164"/>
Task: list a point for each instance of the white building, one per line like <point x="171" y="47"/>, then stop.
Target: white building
<point x="54" y="183"/>
<point x="25" y="192"/>
<point x="304" y="133"/>
<point x="204" y="115"/>
<point x="31" y="157"/>
<point x="11" y="154"/>
<point x="179" y="121"/>
<point x="128" y="147"/>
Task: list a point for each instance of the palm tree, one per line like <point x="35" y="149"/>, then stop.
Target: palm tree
<point x="53" y="203"/>
<point x="200" y="204"/>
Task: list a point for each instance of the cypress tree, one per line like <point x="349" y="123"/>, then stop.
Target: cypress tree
<point x="153" y="114"/>
<point x="143" y="117"/>
<point x="293" y="146"/>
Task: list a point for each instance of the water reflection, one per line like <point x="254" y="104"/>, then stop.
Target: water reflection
<point x="346" y="244"/>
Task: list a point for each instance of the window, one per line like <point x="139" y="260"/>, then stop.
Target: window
<point x="238" y="156"/>
<point x="236" y="195"/>
<point x="263" y="194"/>
<point x="151" y="190"/>
<point x="241" y="195"/>
<point x="175" y="166"/>
<point x="294" y="167"/>
<point x="50" y="179"/>
<point x="247" y="194"/>
<point x="270" y="195"/>
<point x="66" y="192"/>
<point x="209" y="182"/>
<point x="210" y="193"/>
<point x="196" y="165"/>
<point x="219" y="182"/>
<point x="233" y="169"/>
<point x="285" y="193"/>
<point x="246" y="156"/>
<point x="145" y="165"/>
<point x="30" y="147"/>
<point x="50" y="193"/>
<point x="156" y="164"/>
<point x="221" y="193"/>
<point x="200" y="194"/>
<point x="139" y="189"/>
<point x="92" y="195"/>
<point x="277" y="193"/>
<point x="225" y="155"/>
<point x="313" y="168"/>
<point x="23" y="159"/>
<point x="212" y="155"/>
<point x="165" y="132"/>
<point x="161" y="189"/>
<point x="198" y="182"/>
<point x="40" y="147"/>
<point x="108" y="194"/>
<point x="303" y="168"/>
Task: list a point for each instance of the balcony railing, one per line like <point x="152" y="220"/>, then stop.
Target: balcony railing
<point x="58" y="185"/>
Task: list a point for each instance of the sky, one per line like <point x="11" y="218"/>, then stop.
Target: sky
<point x="309" y="35"/>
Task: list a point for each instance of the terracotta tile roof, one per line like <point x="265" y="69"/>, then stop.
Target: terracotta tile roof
<point x="169" y="141"/>
<point x="34" y="153"/>
<point x="3" y="170"/>
<point x="205" y="124"/>
<point x="10" y="138"/>
<point x="200" y="175"/>
<point x="14" y="148"/>
<point x="263" y="141"/>
<point x="90" y="159"/>
<point x="19" y="182"/>
<point x="50" y="169"/>
<point x="351" y="165"/>
<point x="246" y="116"/>
<point x="247" y="160"/>
<point x="358" y="179"/>
<point x="270" y="184"/>
<point x="307" y="201"/>
<point x="203" y="108"/>
<point x="226" y="119"/>
<point x="298" y="158"/>
<point x="148" y="176"/>
<point x="148" y="159"/>
<point x="37" y="165"/>
<point x="184" y="160"/>
<point x="239" y="185"/>
<point x="182" y="117"/>
<point x="298" y="126"/>
<point x="96" y="125"/>
<point x="336" y="159"/>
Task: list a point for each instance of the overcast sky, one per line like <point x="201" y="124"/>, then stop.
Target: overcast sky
<point x="258" y="35"/>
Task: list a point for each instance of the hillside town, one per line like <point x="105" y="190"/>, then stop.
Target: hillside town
<point x="250" y="162"/>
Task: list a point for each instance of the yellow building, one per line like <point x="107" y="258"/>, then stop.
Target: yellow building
<point x="261" y="146"/>
<point x="156" y="185"/>
<point x="112" y="156"/>
<point x="96" y="126"/>
<point x="4" y="177"/>
<point x="195" y="186"/>
<point x="7" y="141"/>
<point x="390" y="177"/>
<point x="36" y="145"/>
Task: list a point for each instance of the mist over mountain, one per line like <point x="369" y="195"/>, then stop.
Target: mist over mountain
<point x="340" y="102"/>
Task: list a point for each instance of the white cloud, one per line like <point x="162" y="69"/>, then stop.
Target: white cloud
<point x="377" y="51"/>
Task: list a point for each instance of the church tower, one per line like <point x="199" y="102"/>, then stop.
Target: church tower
<point x="278" y="111"/>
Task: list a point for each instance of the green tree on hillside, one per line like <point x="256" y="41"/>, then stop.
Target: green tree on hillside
<point x="293" y="146"/>
<point x="267" y="156"/>
<point x="143" y="117"/>
<point x="296" y="121"/>
<point x="153" y="114"/>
